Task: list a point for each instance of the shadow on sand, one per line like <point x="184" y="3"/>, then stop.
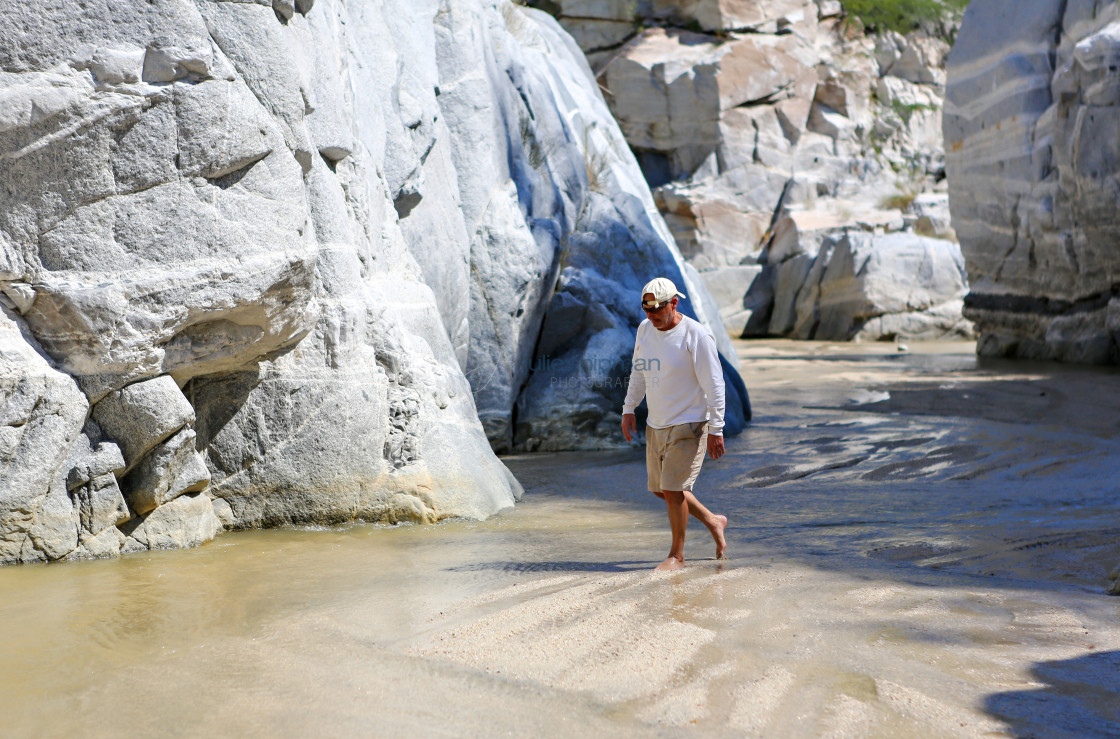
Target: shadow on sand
<point x="1078" y="700"/>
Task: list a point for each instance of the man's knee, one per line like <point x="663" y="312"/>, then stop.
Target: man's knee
<point x="672" y="496"/>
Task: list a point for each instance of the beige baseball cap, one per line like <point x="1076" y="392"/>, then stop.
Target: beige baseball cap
<point x="662" y="288"/>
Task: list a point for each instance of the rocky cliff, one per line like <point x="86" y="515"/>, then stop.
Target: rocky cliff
<point x="1032" y="159"/>
<point x="285" y="260"/>
<point x="796" y="156"/>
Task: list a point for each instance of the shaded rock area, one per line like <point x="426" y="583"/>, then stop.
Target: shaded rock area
<point x="289" y="262"/>
<point x="1029" y="127"/>
<point x="769" y="128"/>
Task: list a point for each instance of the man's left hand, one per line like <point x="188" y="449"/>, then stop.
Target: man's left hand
<point x="715" y="446"/>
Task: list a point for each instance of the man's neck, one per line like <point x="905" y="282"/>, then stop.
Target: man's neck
<point x="677" y="318"/>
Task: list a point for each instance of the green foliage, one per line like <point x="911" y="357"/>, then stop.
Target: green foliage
<point x="902" y="15"/>
<point x="906" y="111"/>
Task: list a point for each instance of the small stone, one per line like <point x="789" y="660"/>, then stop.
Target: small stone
<point x="21" y="294"/>
<point x="101" y="505"/>
<point x="187" y="521"/>
<point x="143" y="414"/>
<point x="106" y="458"/>
<point x="224" y="511"/>
<point x="168" y="471"/>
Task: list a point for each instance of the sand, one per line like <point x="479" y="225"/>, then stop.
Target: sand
<point x="919" y="545"/>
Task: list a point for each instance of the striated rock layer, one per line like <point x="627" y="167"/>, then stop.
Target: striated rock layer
<point x="272" y="262"/>
<point x="1032" y="156"/>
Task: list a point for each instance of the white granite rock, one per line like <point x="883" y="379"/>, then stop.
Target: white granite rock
<point x="669" y="88"/>
<point x="100" y="504"/>
<point x="729" y="287"/>
<point x="711" y="231"/>
<point x="735" y="128"/>
<point x="41" y="415"/>
<point x="128" y="163"/>
<point x="860" y="277"/>
<point x="106" y="544"/>
<point x="89" y="462"/>
<point x="520" y="204"/>
<point x="915" y="59"/>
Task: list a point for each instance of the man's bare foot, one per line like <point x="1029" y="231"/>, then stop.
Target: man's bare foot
<point x="717" y="534"/>
<point x="672" y="563"/>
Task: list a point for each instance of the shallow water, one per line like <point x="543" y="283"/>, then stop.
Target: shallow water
<point x="918" y="546"/>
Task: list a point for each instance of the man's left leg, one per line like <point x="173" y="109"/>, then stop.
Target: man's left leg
<point x="715" y="523"/>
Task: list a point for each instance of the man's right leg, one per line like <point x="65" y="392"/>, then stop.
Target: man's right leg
<point x="678" y="522"/>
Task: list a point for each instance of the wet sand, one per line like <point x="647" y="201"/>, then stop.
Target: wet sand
<point x="918" y="546"/>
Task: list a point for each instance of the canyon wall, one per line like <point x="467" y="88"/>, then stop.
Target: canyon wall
<point x="292" y="261"/>
<point x="1032" y="157"/>
<point x="795" y="155"/>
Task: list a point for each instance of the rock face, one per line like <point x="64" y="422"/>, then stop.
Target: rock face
<point x="766" y="127"/>
<point x="862" y="286"/>
<point x="1030" y="118"/>
<point x="273" y="262"/>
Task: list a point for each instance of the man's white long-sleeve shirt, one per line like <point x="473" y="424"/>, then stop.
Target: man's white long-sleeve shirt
<point x="679" y="374"/>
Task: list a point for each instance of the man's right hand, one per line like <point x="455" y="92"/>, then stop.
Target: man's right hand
<point x="629" y="425"/>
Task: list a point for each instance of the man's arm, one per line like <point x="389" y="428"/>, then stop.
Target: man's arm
<point x="635" y="391"/>
<point x="709" y="373"/>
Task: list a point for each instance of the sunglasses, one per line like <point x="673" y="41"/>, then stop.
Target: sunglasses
<point x="652" y="306"/>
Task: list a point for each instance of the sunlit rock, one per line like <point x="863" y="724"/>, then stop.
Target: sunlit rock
<point x="185" y="522"/>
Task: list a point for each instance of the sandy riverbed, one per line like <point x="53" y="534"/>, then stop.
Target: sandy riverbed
<point x="919" y="545"/>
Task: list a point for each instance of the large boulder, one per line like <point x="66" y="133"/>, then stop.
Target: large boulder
<point x="1029" y="132"/>
<point x="669" y="89"/>
<point x="876" y="287"/>
<point x="370" y="416"/>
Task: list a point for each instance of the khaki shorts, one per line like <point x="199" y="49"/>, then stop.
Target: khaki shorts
<point x="674" y="455"/>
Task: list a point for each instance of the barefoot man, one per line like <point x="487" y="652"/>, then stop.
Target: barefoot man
<point x="677" y="369"/>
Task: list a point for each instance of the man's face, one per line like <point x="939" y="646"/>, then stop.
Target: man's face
<point x="663" y="317"/>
